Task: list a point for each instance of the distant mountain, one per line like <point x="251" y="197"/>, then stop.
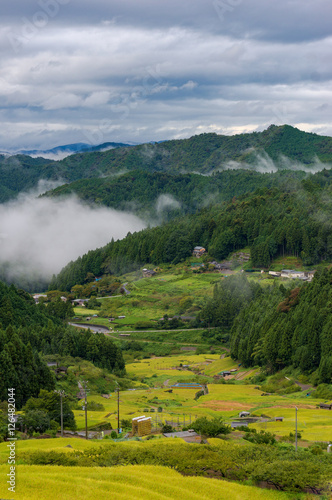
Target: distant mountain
<point x="60" y="152"/>
<point x="277" y="148"/>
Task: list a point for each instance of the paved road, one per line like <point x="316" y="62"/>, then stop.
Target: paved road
<point x="93" y="328"/>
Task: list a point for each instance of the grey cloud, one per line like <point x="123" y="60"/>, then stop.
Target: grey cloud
<point x="140" y="71"/>
<point x="285" y="20"/>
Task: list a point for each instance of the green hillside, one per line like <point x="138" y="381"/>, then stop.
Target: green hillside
<point x="271" y="222"/>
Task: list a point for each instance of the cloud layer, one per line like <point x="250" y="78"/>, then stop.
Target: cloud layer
<point x="76" y="71"/>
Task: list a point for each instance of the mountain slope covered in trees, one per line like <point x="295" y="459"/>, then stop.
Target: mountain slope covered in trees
<point x="275" y="327"/>
<point x="159" y="193"/>
<point x="271" y="222"/>
<point x="28" y="330"/>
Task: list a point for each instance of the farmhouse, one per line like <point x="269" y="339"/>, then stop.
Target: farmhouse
<point x="198" y="251"/>
<point x="148" y="273"/>
<point x="79" y="302"/>
<point x="221" y="266"/>
<point x="292" y="274"/>
<point x="37" y="296"/>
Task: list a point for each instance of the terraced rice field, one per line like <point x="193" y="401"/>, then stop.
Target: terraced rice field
<point x="133" y="482"/>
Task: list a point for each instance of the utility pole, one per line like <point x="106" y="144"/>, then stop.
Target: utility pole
<point x="295" y="428"/>
<point x="118" y="410"/>
<point x="84" y="385"/>
<point x="118" y="406"/>
<point x="61" y="394"/>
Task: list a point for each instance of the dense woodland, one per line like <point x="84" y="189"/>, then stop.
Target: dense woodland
<point x="141" y="192"/>
<point x="28" y="331"/>
<point x="275" y="327"/>
<point x="272" y="222"/>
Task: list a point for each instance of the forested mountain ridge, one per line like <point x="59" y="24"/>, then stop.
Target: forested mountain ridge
<point x="271" y="222"/>
<point x="141" y="192"/>
<point x="278" y="147"/>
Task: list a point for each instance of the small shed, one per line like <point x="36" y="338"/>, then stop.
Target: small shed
<point x="234" y="425"/>
<point x="325" y="406"/>
<point x="189" y="436"/>
<point x="279" y="419"/>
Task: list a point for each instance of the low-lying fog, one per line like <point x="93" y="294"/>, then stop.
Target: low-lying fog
<point x="39" y="236"/>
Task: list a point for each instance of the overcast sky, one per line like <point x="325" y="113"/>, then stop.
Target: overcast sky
<point x="142" y="70"/>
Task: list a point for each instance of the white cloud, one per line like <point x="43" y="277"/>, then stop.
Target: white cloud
<point x="41" y="235"/>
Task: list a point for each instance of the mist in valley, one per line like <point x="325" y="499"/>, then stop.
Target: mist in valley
<point x="39" y="236"/>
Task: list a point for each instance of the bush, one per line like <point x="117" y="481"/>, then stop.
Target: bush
<point x="323" y="391"/>
<point x="261" y="437"/>
<point x="210" y="428"/>
<point x="166" y="428"/>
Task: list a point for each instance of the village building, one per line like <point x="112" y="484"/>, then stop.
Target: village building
<point x="276" y="274"/>
<point x="79" y="302"/>
<point x="37" y="296"/>
<point x="198" y="251"/>
<point x="325" y="406"/>
<point x="293" y="274"/>
<point x="148" y="273"/>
